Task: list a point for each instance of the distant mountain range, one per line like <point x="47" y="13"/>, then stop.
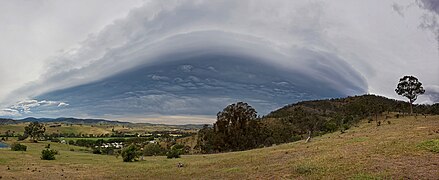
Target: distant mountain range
<point x="62" y="120"/>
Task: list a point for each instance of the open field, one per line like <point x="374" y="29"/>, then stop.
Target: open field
<point x="91" y="129"/>
<point x="403" y="149"/>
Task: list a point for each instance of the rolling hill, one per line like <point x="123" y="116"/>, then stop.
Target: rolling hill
<point x="406" y="148"/>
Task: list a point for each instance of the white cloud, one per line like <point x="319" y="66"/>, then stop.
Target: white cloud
<point x="62" y="104"/>
<point x="26" y="106"/>
<point x="7" y="112"/>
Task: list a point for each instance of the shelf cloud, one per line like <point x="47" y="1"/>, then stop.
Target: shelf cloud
<point x="184" y="57"/>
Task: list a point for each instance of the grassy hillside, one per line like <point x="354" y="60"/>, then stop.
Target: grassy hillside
<point x="405" y="148"/>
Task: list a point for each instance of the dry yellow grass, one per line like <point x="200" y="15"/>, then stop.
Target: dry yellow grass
<point x="364" y="152"/>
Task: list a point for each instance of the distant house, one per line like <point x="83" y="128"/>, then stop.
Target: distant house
<point x="175" y="135"/>
<point x="115" y="145"/>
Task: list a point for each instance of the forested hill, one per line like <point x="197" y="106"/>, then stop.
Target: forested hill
<point x="302" y="120"/>
<point x="358" y="106"/>
<point x="6" y="121"/>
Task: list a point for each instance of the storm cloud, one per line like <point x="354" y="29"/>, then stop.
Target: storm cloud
<point x="302" y="46"/>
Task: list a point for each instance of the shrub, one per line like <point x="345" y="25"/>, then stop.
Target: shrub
<point x="296" y="138"/>
<point x="182" y="149"/>
<point x="96" y="151"/>
<point x="152" y="149"/>
<point x="18" y="147"/>
<point x="108" y="150"/>
<point x="71" y="142"/>
<point x="48" y="154"/>
<point x="173" y="153"/>
<point x="130" y="153"/>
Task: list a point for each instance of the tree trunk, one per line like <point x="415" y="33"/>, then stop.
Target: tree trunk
<point x="411" y="107"/>
<point x="309" y="137"/>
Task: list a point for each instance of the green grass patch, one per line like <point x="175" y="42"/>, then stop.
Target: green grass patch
<point x="431" y="145"/>
<point x="306" y="169"/>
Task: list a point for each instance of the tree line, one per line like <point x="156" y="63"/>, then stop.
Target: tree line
<point x="238" y="127"/>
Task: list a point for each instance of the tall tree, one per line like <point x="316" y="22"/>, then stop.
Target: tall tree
<point x="410" y="87"/>
<point x="35" y="130"/>
<point x="234" y="127"/>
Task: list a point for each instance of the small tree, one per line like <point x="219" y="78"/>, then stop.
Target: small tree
<point x="130" y="153"/>
<point x="35" y="130"/>
<point x="48" y="154"/>
<point x="410" y="87"/>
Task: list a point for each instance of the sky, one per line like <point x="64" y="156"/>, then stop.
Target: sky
<point x="182" y="61"/>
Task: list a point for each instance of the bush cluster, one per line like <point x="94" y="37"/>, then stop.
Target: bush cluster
<point x="48" y="154"/>
<point x="18" y="147"/>
<point x="173" y="153"/>
<point x="130" y="153"/>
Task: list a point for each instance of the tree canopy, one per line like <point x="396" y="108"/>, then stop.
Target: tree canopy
<point x="236" y="129"/>
<point x="34" y="130"/>
<point x="409" y="87"/>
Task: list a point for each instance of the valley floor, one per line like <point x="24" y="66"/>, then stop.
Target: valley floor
<point x="396" y="150"/>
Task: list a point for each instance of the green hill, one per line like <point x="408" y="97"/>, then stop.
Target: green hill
<point x="405" y="148"/>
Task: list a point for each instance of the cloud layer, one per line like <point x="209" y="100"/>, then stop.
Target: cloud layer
<point x="338" y="45"/>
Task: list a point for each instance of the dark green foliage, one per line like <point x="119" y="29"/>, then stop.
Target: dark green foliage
<point x="153" y="149"/>
<point x="305" y="122"/>
<point x="409" y="87"/>
<point x="35" y="130"/>
<point x="48" y="154"/>
<point x="181" y="148"/>
<point x="96" y="151"/>
<point x="85" y="143"/>
<point x="173" y="153"/>
<point x="236" y="129"/>
<point x="18" y="147"/>
<point x="108" y="150"/>
<point x="130" y="153"/>
<point x="71" y="142"/>
<point x="296" y="121"/>
<point x="21" y="138"/>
